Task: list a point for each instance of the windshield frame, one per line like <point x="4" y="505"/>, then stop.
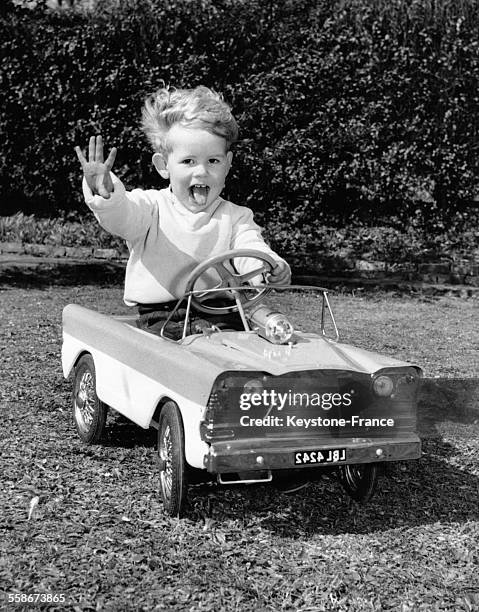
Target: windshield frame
<point x="242" y="310"/>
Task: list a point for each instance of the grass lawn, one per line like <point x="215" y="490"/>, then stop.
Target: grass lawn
<point x="99" y="536"/>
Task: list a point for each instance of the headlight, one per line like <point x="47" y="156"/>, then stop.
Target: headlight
<point x="383" y="385"/>
<point x="271" y="325"/>
<point x="254" y="385"/>
<point x="278" y="329"/>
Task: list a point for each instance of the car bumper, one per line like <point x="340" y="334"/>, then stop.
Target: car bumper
<point x="260" y="454"/>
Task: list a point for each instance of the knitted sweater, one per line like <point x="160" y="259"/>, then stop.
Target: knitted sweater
<point x="166" y="240"/>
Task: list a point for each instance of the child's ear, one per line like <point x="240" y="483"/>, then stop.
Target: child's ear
<point x="161" y="166"/>
<point x="229" y="158"/>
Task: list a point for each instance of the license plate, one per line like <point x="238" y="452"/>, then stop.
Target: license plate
<point x="330" y="455"/>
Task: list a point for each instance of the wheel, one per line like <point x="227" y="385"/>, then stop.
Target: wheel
<point x="230" y="279"/>
<point x="89" y="413"/>
<point x="359" y="480"/>
<point x="171" y="451"/>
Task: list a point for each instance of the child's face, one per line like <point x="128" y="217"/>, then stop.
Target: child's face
<point x="197" y="165"/>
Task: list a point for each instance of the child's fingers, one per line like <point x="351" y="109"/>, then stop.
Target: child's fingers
<point x="99" y="149"/>
<point x="111" y="159"/>
<point x="91" y="149"/>
<point x="81" y="157"/>
<point x="280" y="274"/>
<point x="277" y="271"/>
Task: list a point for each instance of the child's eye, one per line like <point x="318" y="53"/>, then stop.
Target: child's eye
<point x="214" y="160"/>
<point x="188" y="161"/>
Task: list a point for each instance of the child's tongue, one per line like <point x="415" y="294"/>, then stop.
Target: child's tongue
<point x="200" y="194"/>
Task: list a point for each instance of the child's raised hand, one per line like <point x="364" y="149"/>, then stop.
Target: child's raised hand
<point x="95" y="170"/>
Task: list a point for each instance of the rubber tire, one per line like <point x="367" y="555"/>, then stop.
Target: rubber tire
<point x="89" y="418"/>
<point x="171" y="452"/>
<point x="359" y="480"/>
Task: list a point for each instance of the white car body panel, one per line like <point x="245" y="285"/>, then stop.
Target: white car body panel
<point x="136" y="371"/>
<point x="135" y="394"/>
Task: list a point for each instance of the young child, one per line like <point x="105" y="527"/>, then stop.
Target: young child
<point x="170" y="231"/>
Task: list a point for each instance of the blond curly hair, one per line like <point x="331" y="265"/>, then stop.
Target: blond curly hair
<point x="200" y="107"/>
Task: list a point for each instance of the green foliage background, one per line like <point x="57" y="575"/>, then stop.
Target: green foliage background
<point x="349" y="109"/>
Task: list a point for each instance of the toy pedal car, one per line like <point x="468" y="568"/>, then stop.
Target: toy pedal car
<point x="260" y="404"/>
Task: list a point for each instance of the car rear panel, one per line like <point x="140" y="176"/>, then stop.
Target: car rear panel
<point x="277" y="454"/>
<point x="310" y="410"/>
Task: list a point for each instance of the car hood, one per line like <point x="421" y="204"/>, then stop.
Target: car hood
<point x="248" y="351"/>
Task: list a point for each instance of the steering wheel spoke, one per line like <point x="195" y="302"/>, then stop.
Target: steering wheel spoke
<point x="230" y="279"/>
<point x="220" y="267"/>
<point x="243" y="278"/>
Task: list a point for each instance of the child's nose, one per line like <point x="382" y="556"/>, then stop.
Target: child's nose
<point x="200" y="170"/>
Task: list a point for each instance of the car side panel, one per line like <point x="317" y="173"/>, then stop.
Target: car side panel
<point x="136" y="372"/>
<point x="136" y="396"/>
<point x="173" y="365"/>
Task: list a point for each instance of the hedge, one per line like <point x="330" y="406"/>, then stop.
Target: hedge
<point x="305" y="247"/>
<point x="348" y="109"/>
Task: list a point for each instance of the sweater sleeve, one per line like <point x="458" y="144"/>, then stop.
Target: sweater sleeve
<point x="247" y="235"/>
<point x="127" y="214"/>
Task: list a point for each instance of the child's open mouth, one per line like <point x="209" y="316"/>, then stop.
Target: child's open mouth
<point x="199" y="193"/>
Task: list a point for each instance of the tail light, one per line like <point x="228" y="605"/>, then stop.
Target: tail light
<point x="221" y="412"/>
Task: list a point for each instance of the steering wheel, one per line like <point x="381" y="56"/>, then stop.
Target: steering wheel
<point x="230" y="279"/>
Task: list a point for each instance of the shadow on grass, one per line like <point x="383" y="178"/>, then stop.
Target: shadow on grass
<point x="410" y="494"/>
<point x="123" y="433"/>
<point x="68" y="273"/>
<point x="439" y="487"/>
